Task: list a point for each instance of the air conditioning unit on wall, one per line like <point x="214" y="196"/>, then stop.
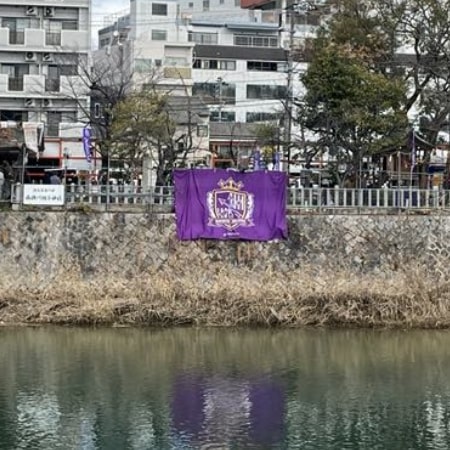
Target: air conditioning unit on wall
<point x="47" y="57"/>
<point x="31" y="11"/>
<point x="49" y="11"/>
<point x="30" y="102"/>
<point x="47" y="103"/>
<point x="30" y="56"/>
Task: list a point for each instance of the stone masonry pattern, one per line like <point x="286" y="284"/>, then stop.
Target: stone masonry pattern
<point x="128" y="243"/>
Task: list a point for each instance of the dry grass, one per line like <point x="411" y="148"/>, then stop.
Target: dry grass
<point x="229" y="296"/>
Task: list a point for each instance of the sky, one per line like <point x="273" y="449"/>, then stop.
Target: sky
<point x="102" y="8"/>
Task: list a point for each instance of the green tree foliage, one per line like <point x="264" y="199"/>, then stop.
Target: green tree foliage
<point x="354" y="110"/>
<point x="375" y="63"/>
<point x="142" y="125"/>
<point x="405" y="40"/>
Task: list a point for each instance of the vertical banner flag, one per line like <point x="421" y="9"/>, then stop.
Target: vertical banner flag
<point x="276" y="161"/>
<point x="257" y="159"/>
<point x="31" y="135"/>
<point x="222" y="204"/>
<point x="87" y="144"/>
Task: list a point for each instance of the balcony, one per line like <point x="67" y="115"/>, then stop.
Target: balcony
<point x="52" y="38"/>
<point x="52" y="129"/>
<point x="183" y="73"/>
<point x="15" y="84"/>
<point x="79" y="39"/>
<point x="52" y="85"/>
<point x="16" y="37"/>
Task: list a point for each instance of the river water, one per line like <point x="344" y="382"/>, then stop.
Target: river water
<point x="221" y="389"/>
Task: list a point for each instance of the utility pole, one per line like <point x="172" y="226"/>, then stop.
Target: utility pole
<point x="219" y="95"/>
<point x="303" y="7"/>
<point x="290" y="68"/>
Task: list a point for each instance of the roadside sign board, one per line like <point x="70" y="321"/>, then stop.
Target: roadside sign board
<point x="43" y="194"/>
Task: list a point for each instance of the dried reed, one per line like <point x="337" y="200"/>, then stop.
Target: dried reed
<point x="229" y="296"/>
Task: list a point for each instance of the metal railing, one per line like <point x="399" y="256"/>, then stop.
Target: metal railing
<point x="119" y="195"/>
<point x="52" y="85"/>
<point x="338" y="198"/>
<point x="16" y="37"/>
<point x="15" y="84"/>
<point x="52" y="38"/>
<point x="311" y="199"/>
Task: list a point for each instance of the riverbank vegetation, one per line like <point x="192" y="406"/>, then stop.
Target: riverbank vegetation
<point x="228" y="295"/>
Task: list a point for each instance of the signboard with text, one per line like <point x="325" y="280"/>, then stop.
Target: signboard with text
<point x="43" y="194"/>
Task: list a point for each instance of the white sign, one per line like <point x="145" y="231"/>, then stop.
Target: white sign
<point x="43" y="194"/>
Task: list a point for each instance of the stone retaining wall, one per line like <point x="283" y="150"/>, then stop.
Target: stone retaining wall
<point x="45" y="242"/>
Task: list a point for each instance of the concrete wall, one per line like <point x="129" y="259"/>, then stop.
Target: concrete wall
<point x="47" y="242"/>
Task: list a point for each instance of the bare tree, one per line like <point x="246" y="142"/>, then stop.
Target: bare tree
<point x="163" y="126"/>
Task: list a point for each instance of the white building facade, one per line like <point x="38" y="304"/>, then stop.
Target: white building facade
<point x="44" y="46"/>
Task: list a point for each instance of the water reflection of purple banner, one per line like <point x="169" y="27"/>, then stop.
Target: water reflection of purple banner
<point x="228" y="411"/>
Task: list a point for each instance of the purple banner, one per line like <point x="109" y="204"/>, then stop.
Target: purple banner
<point x="87" y="144"/>
<point x="222" y="204"/>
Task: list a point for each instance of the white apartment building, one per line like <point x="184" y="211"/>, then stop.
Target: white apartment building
<point x="233" y="60"/>
<point x="240" y="67"/>
<point x="44" y="46"/>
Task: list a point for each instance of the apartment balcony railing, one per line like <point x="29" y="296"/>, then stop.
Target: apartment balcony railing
<point x="52" y="38"/>
<point x="16" y="37"/>
<point x="52" y="85"/>
<point x="52" y="129"/>
<point x="182" y="73"/>
<point x="15" y="84"/>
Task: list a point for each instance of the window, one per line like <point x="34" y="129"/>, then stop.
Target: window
<point x="214" y="64"/>
<point x="210" y="64"/>
<point x="54" y="119"/>
<point x="255" y="40"/>
<point x="227" y="65"/>
<point x="53" y="32"/>
<point x="159" y="9"/>
<point x="104" y="42"/>
<point x="237" y="3"/>
<point x="158" y="62"/>
<point x="264" y="66"/>
<point x="262" y="117"/>
<point x="69" y="25"/>
<point x="222" y="116"/>
<point x="17" y="28"/>
<point x="175" y="61"/>
<point x="190" y="5"/>
<point x="264" y="91"/>
<point x="15" y="74"/>
<point x="16" y="116"/>
<point x="97" y="110"/>
<point x="205" y="5"/>
<point x="221" y="2"/>
<point x="225" y="92"/>
<point x="202" y="130"/>
<point x="142" y="65"/>
<point x="69" y="70"/>
<point x="202" y="38"/>
<point x="159" y="35"/>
